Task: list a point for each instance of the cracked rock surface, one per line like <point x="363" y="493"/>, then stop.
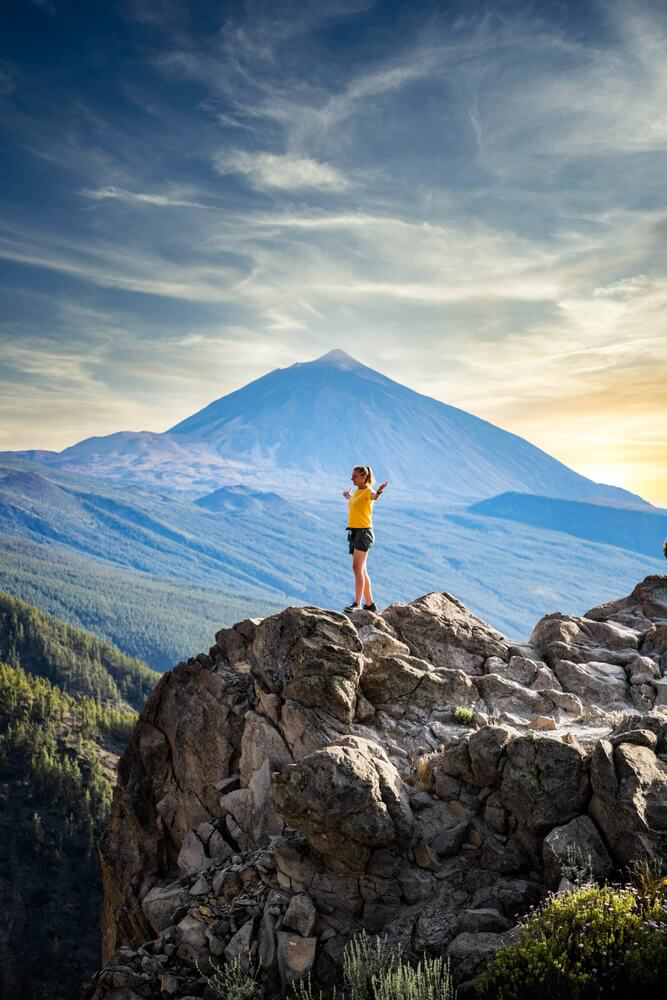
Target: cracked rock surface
<point x="307" y="778"/>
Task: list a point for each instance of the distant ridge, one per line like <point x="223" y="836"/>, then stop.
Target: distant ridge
<point x="625" y="527"/>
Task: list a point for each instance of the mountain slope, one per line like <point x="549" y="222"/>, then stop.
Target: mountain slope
<point x="298" y="430"/>
<point x="635" y="530"/>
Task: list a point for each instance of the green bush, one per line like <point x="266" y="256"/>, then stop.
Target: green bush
<point x="463" y="716"/>
<point x="593" y="942"/>
<point x="364" y="959"/>
<point x="430" y="980"/>
<point x="232" y="981"/>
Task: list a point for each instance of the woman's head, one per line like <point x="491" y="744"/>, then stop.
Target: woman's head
<point x="362" y="475"/>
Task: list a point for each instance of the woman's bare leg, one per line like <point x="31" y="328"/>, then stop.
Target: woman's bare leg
<point x="359" y="570"/>
<point x="368" y="593"/>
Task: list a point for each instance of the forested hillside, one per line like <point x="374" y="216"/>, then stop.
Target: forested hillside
<point x="159" y="621"/>
<point x="67" y="704"/>
<point x="73" y="659"/>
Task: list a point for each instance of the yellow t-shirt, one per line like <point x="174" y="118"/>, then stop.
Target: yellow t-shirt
<point x="361" y="512"/>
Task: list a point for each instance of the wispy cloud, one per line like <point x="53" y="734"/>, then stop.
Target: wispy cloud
<point x="282" y="171"/>
<point x="139" y="198"/>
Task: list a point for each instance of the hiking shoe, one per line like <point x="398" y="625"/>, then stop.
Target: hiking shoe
<point x="370" y="607"/>
<point x="352" y="607"/>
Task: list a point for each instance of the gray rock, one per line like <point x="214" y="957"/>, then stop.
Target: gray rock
<point x="380" y="643"/>
<point x="440" y="629"/>
<point x="240" y="943"/>
<point x="502" y="695"/>
<point x="161" y="903"/>
<point x="296" y="957"/>
<point x="192" y="856"/>
<point x="468" y="953"/>
<point x="629" y="803"/>
<point x="191" y="939"/>
<point x="301" y="915"/>
<point x="544" y="782"/>
<point x="345" y="799"/>
<point x="640" y="738"/>
<point x="602" y="684"/>
<point x="482" y="919"/>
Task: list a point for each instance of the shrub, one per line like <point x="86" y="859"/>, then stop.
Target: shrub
<point x="231" y="981"/>
<point x="593" y="942"/>
<point x="430" y="980"/>
<point x="364" y="959"/>
<point x="463" y="716"/>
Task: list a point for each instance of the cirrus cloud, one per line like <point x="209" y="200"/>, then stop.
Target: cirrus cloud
<point x="283" y="171"/>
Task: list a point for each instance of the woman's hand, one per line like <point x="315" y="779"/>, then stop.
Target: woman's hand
<point x="346" y="494"/>
<point x="381" y="488"/>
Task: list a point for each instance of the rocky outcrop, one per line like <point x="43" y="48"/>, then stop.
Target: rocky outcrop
<point x="307" y="778"/>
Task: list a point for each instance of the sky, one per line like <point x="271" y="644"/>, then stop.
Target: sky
<point x="469" y="197"/>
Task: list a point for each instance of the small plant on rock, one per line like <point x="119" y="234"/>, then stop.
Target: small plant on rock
<point x="424" y="769"/>
<point x="463" y="716"/>
<point x="577" y="866"/>
<point x="649" y="881"/>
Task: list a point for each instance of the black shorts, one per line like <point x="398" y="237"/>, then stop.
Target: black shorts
<point x="360" y="538"/>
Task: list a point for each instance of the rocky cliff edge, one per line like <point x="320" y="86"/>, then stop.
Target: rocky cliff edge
<point x="307" y="778"/>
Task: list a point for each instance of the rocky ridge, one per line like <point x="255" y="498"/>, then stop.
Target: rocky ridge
<point x="306" y="778"/>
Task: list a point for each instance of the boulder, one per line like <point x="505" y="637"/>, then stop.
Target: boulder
<point x="602" y="684"/>
<point x="296" y="957"/>
<point x="345" y="799"/>
<point x="581" y="640"/>
<point x="395" y="684"/>
<point x="161" y="903"/>
<point x="440" y="629"/>
<point x="377" y="642"/>
<point x="485" y="748"/>
<point x="192" y="856"/>
<point x="629" y="802"/>
<point x="310" y="656"/>
<point x="469" y="952"/>
<point x="502" y="695"/>
<point x="544" y="782"/>
<point x="647" y="604"/>
<point x="301" y="915"/>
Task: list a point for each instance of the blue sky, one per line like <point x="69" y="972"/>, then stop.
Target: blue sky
<point x="469" y="197"/>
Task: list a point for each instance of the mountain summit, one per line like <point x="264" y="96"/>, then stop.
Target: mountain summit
<point x="321" y="417"/>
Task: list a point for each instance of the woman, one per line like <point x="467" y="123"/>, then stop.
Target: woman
<point x="360" y="533"/>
